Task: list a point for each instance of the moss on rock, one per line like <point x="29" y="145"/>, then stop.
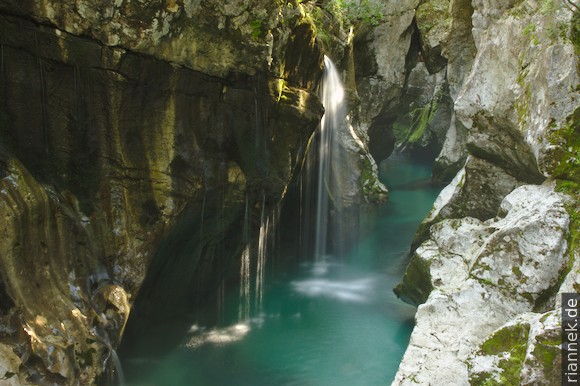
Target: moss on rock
<point x="508" y="345"/>
<point x="564" y="157"/>
<point x="416" y="285"/>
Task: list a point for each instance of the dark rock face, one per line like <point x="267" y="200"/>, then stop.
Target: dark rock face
<point x="113" y="130"/>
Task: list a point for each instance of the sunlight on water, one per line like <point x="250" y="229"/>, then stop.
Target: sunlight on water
<point x="218" y="336"/>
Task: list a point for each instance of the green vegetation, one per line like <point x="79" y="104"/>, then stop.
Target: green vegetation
<point x="369" y="183"/>
<point x="546" y="349"/>
<point x="433" y="13"/>
<point x="566" y="154"/>
<point x="509" y="344"/>
<point x="420" y="119"/>
<point x="416" y="285"/>
<point x="256" y="26"/>
<point x="332" y="18"/>
<point x="350" y="12"/>
<point x="547" y="7"/>
<point x="572" y="189"/>
<point x="331" y="14"/>
<point x="575" y="31"/>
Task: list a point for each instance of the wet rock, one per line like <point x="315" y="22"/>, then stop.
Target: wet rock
<point x="10" y="367"/>
<point x="45" y="257"/>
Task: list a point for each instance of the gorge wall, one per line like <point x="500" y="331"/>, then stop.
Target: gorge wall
<point x="500" y="245"/>
<point x="118" y="119"/>
<point x="132" y="130"/>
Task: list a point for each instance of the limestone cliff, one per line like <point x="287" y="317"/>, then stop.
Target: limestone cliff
<point x="500" y="244"/>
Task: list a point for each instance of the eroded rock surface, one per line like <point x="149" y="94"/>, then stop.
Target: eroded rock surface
<point x="498" y="236"/>
<point x="482" y="275"/>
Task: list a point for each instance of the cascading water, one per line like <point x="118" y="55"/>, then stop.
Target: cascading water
<point x="334" y="321"/>
<point x="332" y="94"/>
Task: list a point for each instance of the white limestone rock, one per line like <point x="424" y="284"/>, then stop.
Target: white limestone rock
<point x="471" y="266"/>
<point x="526" y="253"/>
<point x="521" y="89"/>
<point x="476" y="191"/>
<point x="453" y="152"/>
<point x="450" y="325"/>
<point x="524" y="351"/>
<point x="485" y="13"/>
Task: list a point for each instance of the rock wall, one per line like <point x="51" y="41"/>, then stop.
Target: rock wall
<point x="402" y="83"/>
<point x="119" y="120"/>
<point x="500" y="244"/>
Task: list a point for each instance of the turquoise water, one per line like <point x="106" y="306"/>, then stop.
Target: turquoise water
<point x="329" y="323"/>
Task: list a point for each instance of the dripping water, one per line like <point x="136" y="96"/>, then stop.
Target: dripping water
<point x="118" y="368"/>
<point x="42" y="95"/>
<point x="221" y="301"/>
<point x="202" y="215"/>
<point x="1" y="61"/>
<point x="77" y="95"/>
<point x="261" y="261"/>
<point x="244" y="303"/>
<point x="257" y="124"/>
<point x="302" y="326"/>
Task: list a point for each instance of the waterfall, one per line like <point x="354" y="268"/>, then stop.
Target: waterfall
<point x="332" y="94"/>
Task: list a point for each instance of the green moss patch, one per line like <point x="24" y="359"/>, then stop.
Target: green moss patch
<point x="371" y="188"/>
<point x="433" y="13"/>
<point x="412" y="127"/>
<point x="509" y="344"/>
<point x="572" y="189"/>
<point x="416" y="285"/>
<point x="564" y="160"/>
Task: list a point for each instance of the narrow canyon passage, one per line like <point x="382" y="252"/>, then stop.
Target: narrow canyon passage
<point x="187" y="197"/>
<point x="331" y="322"/>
